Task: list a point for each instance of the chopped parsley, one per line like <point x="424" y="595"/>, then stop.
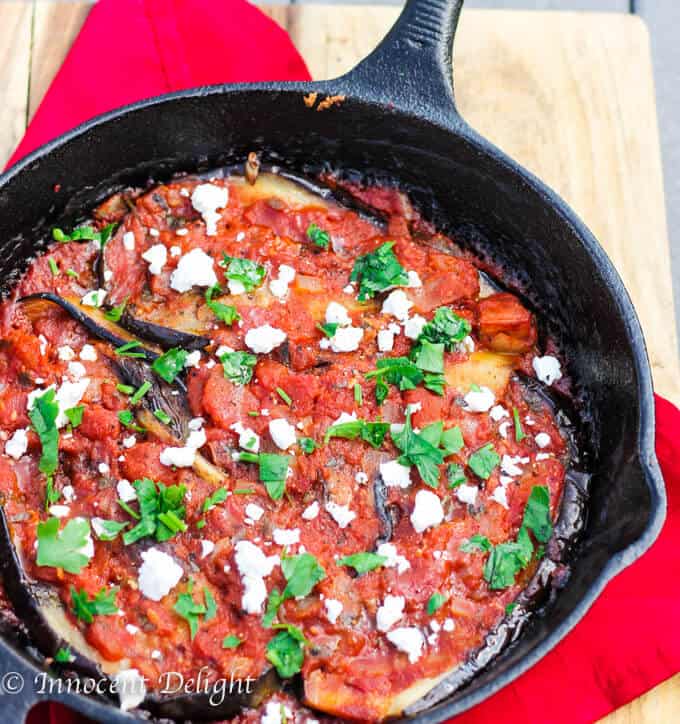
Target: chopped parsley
<point x="108" y="529"/>
<point x="446" y="328"/>
<point x="43" y="417"/>
<point x="127" y="419"/>
<point x="53" y="266"/>
<point x="64" y="656"/>
<point x="371" y="432"/>
<point x="273" y="473"/>
<point x="329" y="328"/>
<point x="484" y="461"/>
<point x="519" y="433"/>
<point x="102" y="603"/>
<point x="429" y="356"/>
<point x="318" y="236"/>
<point x="510" y="608"/>
<point x="115" y="313"/>
<point x="161" y="511"/>
<point x="238" y="366"/>
<point x="437" y="600"/>
<point x="249" y="273"/>
<point x="191" y="611"/>
<point x="307" y="445"/>
<point x="476" y="543"/>
<point x="398" y="371"/>
<point x="363" y="562"/>
<point x="131" y="349"/>
<point x="302" y="573"/>
<point x="224" y="312"/>
<point x="63" y="549"/>
<point x="358" y="394"/>
<point x="231" y="642"/>
<point x="455" y="475"/>
<point x="85" y="233"/>
<point x="286" y="651"/>
<point x="421" y="449"/>
<point x="125" y="389"/>
<point x="284" y="396"/>
<point x="162" y="416"/>
<point x="170" y="364"/>
<point x="219" y="496"/>
<point x="378" y="270"/>
<point x="143" y="389"/>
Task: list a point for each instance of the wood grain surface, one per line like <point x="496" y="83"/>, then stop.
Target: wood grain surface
<point x="570" y="95"/>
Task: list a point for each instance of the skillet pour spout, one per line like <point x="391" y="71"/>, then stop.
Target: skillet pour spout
<point x="397" y="124"/>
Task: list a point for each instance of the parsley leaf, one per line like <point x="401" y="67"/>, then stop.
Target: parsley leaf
<point x="363" y="562"/>
<point x="115" y="313"/>
<point x="224" y="312"/>
<point x="107" y="529"/>
<point x="86" y="608"/>
<point x="161" y="511"/>
<point x="189" y="609"/>
<point x="126" y="418"/>
<point x="506" y="560"/>
<point x="286" y="651"/>
<point x="273" y="473"/>
<point x="455" y="475"/>
<point x="238" y="366"/>
<point x="75" y="415"/>
<point x="437" y="600"/>
<point x="399" y="371"/>
<point x="245" y="271"/>
<point x="421" y="449"/>
<point x="63" y="549"/>
<point x="446" y="328"/>
<point x="302" y="573"/>
<point x="483" y="462"/>
<point x="378" y="270"/>
<point x="43" y="417"/>
<point x="476" y="543"/>
<point x="317" y="235"/>
<point x="231" y="642"/>
<point x="128" y="350"/>
<point x="519" y="433"/>
<point x="537" y="513"/>
<point x="219" y="496"/>
<point x="429" y="356"/>
<point x="371" y="432"/>
<point x="328" y="328"/>
<point x="85" y="233"/>
<point x="170" y="364"/>
<point x="64" y="656"/>
<point x="307" y="445"/>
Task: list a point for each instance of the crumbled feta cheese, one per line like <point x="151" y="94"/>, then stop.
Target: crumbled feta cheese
<point x="345" y="339"/>
<point x="66" y="353"/>
<point x="395" y="475"/>
<point x="131" y="629"/>
<point x="77" y="370"/>
<point x="409" y="640"/>
<point x="361" y="477"/>
<point x="126" y="491"/>
<point x="349" y="289"/>
<point x="414" y="281"/>
<point x="157" y="256"/>
<point x="503" y="429"/>
<point x="272" y="714"/>
<point x="341" y="514"/>
<point x="397" y="304"/>
<point x="253" y="565"/>
<point x="60" y="511"/>
<point x="413" y="407"/>
<point x="254" y="511"/>
<point x="467" y="493"/>
<point x="283" y="537"/>
<point x="543" y="456"/>
<point x="236" y="287"/>
<point x="158" y="574"/>
<point x="498" y="412"/>
<point x="95" y="298"/>
<point x="182" y="232"/>
<point x="206" y="199"/>
<point x="69" y="493"/>
<point x="207" y="547"/>
<point x="43" y="344"/>
<point x="337" y="314"/>
<point x="130" y="686"/>
<point x="479" y="400"/>
<point x="279" y="286"/>
<point x="282" y="433"/>
<point x="194" y="269"/>
<point x="103" y="468"/>
<point x="247" y="439"/>
<point x="390" y="612"/>
<point x="542" y="439"/>
<point x="264" y="339"/>
<point x="154" y="232"/>
<point x="17" y="445"/>
<point x="427" y="512"/>
<point x="311" y="511"/>
<point x="509" y="465"/>
<point x="179" y="457"/>
<point x="394" y="559"/>
<point x="129" y="441"/>
<point x="344" y="417"/>
<point x="222" y="350"/>
<point x="333" y="609"/>
<point x="500" y="496"/>
<point x="547" y="369"/>
<point x="68" y="396"/>
<point x="385" y="340"/>
<point x="193" y="359"/>
<point x="196" y="439"/>
<point x="449" y="624"/>
<point x="129" y="240"/>
<point x="88" y="353"/>
<point x="413" y="327"/>
<point x="175" y="251"/>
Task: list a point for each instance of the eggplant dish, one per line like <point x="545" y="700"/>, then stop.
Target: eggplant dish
<point x="257" y="426"/>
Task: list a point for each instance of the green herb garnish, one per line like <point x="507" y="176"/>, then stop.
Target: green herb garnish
<point x="284" y="396"/>
<point x="307" y="445"/>
<point x="286" y="651"/>
<point x="162" y="416"/>
<point x="115" y="313"/>
<point x="318" y="236"/>
<point x="102" y="603"/>
<point x="476" y="543"/>
<point x="446" y="328"/>
<point x="224" y="312"/>
<point x="363" y="562"/>
<point x="371" y="432"/>
<point x="130" y="349"/>
<point x="437" y="600"/>
<point x="455" y="475"/>
<point x="108" y="529"/>
<point x="219" y="496"/>
<point x="484" y="461"/>
<point x="519" y="433"/>
<point x="170" y="364"/>
<point x="250" y="274"/>
<point x="127" y="419"/>
<point x="358" y="394"/>
<point x="328" y="328"/>
<point x="63" y="549"/>
<point x="378" y="270"/>
<point x="161" y="511"/>
<point x="143" y="389"/>
<point x="273" y="473"/>
<point x="238" y="366"/>
<point x="43" y="416"/>
<point x="53" y="266"/>
<point x="231" y="642"/>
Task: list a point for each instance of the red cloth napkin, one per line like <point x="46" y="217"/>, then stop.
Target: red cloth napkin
<point x="130" y="49"/>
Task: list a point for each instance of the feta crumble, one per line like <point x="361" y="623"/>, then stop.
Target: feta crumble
<point x="337" y="314"/>
<point x="283" y="537"/>
<point x="394" y="559"/>
<point x="88" y="353"/>
<point x="95" y="298"/>
<point x="397" y="304"/>
<point x="282" y="433"/>
<point x="247" y="439"/>
<point x="129" y="241"/>
<point x="498" y="412"/>
<point x="130" y="686"/>
<point x="341" y="514"/>
<point x="206" y="199"/>
<point x="179" y="457"/>
<point x="194" y="269"/>
<point x="264" y="339"/>
<point x="345" y="339"/>
<point x="413" y="327"/>
<point x="157" y="256"/>
<point x="395" y="475"/>
<point x="479" y="400"/>
<point x="547" y="369"/>
<point x="385" y="340"/>
<point x="409" y="640"/>
<point x="542" y="439"/>
<point x="253" y="565"/>
<point x="467" y="493"/>
<point x="333" y="609"/>
<point x="254" y="511"/>
<point x="126" y="491"/>
<point x="428" y="511"/>
<point x="17" y="445"/>
<point x="311" y="511"/>
<point x="390" y="612"/>
<point x="158" y="574"/>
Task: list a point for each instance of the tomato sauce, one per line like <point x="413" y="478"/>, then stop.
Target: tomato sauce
<point x="352" y="668"/>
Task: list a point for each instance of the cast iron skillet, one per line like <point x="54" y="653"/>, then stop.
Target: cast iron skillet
<point x="397" y="124"/>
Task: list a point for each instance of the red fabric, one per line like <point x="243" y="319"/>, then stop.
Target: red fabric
<point x="131" y="49"/>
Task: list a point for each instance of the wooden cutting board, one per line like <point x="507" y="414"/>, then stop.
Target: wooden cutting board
<point x="570" y="95"/>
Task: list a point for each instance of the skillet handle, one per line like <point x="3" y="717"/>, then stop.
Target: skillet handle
<point x="412" y="67"/>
